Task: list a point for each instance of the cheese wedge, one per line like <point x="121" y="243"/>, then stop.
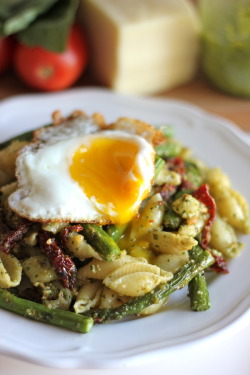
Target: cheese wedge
<point x="142" y="46"/>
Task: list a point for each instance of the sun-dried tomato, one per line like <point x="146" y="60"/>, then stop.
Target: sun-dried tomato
<point x="10" y="237"/>
<point x="186" y="185"/>
<point x="202" y="194"/>
<point x="64" y="265"/>
<point x="220" y="264"/>
<point x="166" y="191"/>
<point x="177" y="164"/>
<point x="70" y="228"/>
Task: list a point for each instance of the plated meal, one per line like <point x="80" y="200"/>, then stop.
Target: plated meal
<point x="100" y="221"/>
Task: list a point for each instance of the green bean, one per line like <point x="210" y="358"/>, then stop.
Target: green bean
<point x="39" y="312"/>
<point x="101" y="241"/>
<point x="201" y="261"/>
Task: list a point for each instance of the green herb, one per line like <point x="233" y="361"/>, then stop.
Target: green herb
<point x="43" y="23"/>
<point x="51" y="29"/>
<point x="17" y="15"/>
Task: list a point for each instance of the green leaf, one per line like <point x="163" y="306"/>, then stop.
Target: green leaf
<point x="50" y="30"/>
<point x="16" y="15"/>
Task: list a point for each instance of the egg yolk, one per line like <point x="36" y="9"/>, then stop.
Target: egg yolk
<point x="107" y="172"/>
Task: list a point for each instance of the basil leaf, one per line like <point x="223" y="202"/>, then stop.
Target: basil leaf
<point x="16" y="15"/>
<point x="50" y="30"/>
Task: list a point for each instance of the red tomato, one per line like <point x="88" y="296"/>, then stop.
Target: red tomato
<point x="6" y="52"/>
<point x="49" y="71"/>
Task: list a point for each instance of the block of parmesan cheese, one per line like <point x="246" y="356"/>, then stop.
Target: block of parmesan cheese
<point x="142" y="46"/>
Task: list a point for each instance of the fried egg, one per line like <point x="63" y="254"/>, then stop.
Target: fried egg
<point x="81" y="173"/>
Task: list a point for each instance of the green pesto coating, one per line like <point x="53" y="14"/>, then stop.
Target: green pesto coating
<point x="171" y="219"/>
<point x="193" y="174"/>
<point x="198" y="293"/>
<point x="201" y="261"/>
<point x="41" y="313"/>
<point x="197" y="287"/>
<point x="101" y="241"/>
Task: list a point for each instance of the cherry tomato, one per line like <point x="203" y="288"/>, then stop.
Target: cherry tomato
<point x="49" y="71"/>
<point x="6" y="53"/>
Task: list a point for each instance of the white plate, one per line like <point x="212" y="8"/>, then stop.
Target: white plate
<point x="218" y="143"/>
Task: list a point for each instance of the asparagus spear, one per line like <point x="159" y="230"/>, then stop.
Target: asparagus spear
<point x="159" y="164"/>
<point x="197" y="287"/>
<point x="168" y="149"/>
<point x="198" y="293"/>
<point x="37" y="311"/>
<point x="116" y="231"/>
<point x="101" y="241"/>
<point x="171" y="219"/>
<point x="201" y="260"/>
<point x="193" y="174"/>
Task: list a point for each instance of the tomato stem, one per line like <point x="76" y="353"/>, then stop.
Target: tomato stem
<point x="46" y="72"/>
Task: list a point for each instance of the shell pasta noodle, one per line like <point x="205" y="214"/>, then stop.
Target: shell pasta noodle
<point x="100" y="221"/>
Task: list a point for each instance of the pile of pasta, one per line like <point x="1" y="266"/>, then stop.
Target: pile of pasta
<point x="154" y="246"/>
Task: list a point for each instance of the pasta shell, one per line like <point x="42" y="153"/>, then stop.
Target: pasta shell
<point x="99" y="269"/>
<point x="54" y="227"/>
<point x="88" y="296"/>
<point x="171" y="243"/>
<point x="31" y="238"/>
<point x="153" y="308"/>
<point x="230" y="203"/>
<point x="10" y="271"/>
<point x="39" y="270"/>
<point x="166" y="176"/>
<point x="111" y="299"/>
<point x="223" y="238"/>
<point x="78" y="246"/>
<point x="136" y="279"/>
<point x="151" y="218"/>
<point x="186" y="206"/>
<point x="171" y="262"/>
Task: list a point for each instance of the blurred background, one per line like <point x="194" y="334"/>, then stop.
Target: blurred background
<point x="194" y="50"/>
